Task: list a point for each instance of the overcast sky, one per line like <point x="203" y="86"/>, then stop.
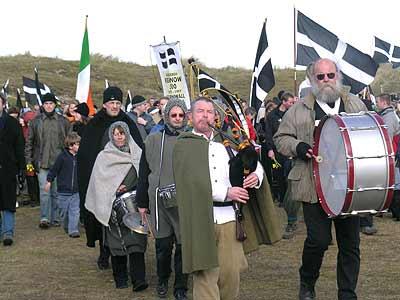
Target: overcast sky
<point x="218" y="32"/>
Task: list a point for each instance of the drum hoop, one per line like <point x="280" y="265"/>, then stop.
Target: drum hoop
<point x="389" y="147"/>
<point x="350" y="166"/>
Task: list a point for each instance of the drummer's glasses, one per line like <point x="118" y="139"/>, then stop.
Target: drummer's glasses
<point x="322" y="76"/>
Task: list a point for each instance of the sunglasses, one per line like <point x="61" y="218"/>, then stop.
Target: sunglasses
<point x="322" y="76"/>
<point x="175" y="115"/>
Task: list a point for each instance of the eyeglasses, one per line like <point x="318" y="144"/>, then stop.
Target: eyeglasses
<point x="322" y="76"/>
<point x="175" y="115"/>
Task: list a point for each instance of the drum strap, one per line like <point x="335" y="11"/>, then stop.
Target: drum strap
<point x="159" y="176"/>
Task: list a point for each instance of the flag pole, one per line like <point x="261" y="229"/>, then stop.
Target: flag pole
<point x="294" y="51"/>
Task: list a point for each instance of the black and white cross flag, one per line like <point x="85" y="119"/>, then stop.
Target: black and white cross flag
<point x="314" y="42"/>
<point x="263" y="79"/>
<point x="31" y="92"/>
<point x="386" y="53"/>
<point x="4" y="89"/>
<point x="168" y="58"/>
<point x="19" y="101"/>
<point x="128" y="102"/>
<point x="206" y="82"/>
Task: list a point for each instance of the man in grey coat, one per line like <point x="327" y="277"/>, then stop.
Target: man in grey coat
<point x="139" y="115"/>
<point x="45" y="142"/>
<point x="156" y="175"/>
<point x="295" y="138"/>
<point x="391" y="120"/>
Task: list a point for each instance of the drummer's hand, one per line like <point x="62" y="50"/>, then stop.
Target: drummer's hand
<point x="143" y="212"/>
<point x="250" y="181"/>
<point x="304" y="151"/>
<point x="271" y="154"/>
<point x="238" y="194"/>
<point x="122" y="188"/>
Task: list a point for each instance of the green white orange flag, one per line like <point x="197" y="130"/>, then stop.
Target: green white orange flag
<point x="83" y="90"/>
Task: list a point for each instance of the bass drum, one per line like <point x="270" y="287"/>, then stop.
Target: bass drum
<point x="356" y="174"/>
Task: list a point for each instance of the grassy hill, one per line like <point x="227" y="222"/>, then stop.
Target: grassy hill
<point x="60" y="75"/>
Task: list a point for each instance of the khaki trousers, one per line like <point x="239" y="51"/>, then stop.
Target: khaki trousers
<point x="222" y="283"/>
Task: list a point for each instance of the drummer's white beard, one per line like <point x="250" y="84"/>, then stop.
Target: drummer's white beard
<point x="327" y="92"/>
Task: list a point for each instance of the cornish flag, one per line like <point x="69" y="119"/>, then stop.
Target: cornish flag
<point x="263" y="79"/>
<point x="386" y="53"/>
<point x="128" y="102"/>
<point x="4" y="89"/>
<point x="83" y="90"/>
<point x="314" y="42"/>
<point x="33" y="90"/>
<point x="206" y="82"/>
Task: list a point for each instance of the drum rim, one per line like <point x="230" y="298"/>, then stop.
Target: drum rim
<point x="350" y="165"/>
<point x="389" y="195"/>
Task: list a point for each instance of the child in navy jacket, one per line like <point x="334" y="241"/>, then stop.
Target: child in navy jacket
<point x="65" y="170"/>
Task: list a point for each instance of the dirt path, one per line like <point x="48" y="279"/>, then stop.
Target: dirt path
<point x="47" y="264"/>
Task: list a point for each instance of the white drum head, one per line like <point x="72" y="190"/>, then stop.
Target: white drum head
<point x="332" y="171"/>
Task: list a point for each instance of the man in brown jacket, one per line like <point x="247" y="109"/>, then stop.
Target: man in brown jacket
<point x="295" y="138"/>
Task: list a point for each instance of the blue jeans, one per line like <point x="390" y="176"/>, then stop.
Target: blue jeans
<point x="7" y="223"/>
<point x="69" y="211"/>
<point x="48" y="201"/>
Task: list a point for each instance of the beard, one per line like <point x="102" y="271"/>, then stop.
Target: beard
<point x="326" y="92"/>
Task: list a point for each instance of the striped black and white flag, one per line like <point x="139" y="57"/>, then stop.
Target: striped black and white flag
<point x="31" y="92"/>
<point x="386" y="53"/>
<point x="263" y="79"/>
<point x="314" y="42"/>
<point x="206" y="82"/>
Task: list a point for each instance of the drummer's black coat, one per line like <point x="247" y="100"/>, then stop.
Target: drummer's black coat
<point x="12" y="159"/>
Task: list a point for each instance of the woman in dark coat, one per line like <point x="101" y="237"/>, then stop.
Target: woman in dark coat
<point x="114" y="173"/>
<point x="12" y="162"/>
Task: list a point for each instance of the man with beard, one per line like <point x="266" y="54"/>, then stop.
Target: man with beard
<point x="156" y="174"/>
<point x="295" y="138"/>
<point x="94" y="138"/>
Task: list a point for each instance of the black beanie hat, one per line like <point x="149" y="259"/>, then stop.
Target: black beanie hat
<point x="112" y="93"/>
<point x="83" y="109"/>
<point x="137" y="100"/>
<point x="49" y="97"/>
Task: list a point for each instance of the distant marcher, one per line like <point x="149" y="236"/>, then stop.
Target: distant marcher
<point x="81" y="115"/>
<point x="115" y="172"/>
<point x="139" y="115"/>
<point x="250" y="114"/>
<point x="391" y="120"/>
<point x="160" y="125"/>
<point x="94" y="138"/>
<point x="45" y="142"/>
<point x="12" y="162"/>
<point x="65" y="170"/>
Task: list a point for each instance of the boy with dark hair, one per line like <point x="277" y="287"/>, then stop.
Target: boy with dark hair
<point x="67" y="184"/>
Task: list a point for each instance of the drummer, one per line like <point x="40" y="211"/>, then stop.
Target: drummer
<point x="114" y="173"/>
<point x="295" y="138"/>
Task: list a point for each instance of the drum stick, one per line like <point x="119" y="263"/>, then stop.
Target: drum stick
<point x="317" y="158"/>
<point x="149" y="225"/>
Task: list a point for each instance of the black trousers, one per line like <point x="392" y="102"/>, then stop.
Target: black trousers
<point x="318" y="239"/>
<point x="164" y="254"/>
<point x="137" y="268"/>
<point x="366" y="221"/>
<point x="33" y="189"/>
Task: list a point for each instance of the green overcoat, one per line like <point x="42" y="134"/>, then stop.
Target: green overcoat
<point x="195" y="205"/>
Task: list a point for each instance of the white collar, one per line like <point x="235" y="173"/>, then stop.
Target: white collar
<point x="327" y="109"/>
<point x="203" y="135"/>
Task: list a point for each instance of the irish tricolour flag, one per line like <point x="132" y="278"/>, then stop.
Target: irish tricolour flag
<point x="83" y="91"/>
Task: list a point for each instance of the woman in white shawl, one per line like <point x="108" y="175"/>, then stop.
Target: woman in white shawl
<point x="115" y="172"/>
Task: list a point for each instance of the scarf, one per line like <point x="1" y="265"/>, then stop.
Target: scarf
<point x="110" y="169"/>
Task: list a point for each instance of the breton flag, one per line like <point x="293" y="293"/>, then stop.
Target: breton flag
<point x="83" y="90"/>
<point x="34" y="89"/>
<point x="314" y="42"/>
<point x="19" y="101"/>
<point x="206" y="82"/>
<point x="4" y="89"/>
<point x="128" y="102"/>
<point x="263" y="79"/>
<point x="386" y="53"/>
